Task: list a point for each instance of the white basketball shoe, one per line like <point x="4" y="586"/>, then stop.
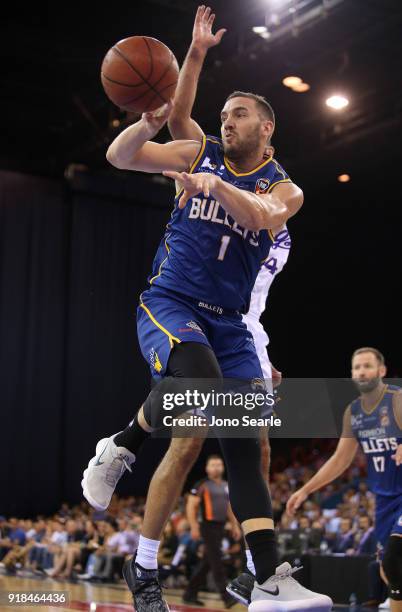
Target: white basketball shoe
<point x="282" y="593"/>
<point x="386" y="605"/>
<point x="104" y="472"/>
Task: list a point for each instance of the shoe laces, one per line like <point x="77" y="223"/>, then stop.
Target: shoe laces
<point x="150" y="591"/>
<point x="116" y="469"/>
<point x="287" y="574"/>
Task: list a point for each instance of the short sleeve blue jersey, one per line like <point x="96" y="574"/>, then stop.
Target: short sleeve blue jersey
<point x="205" y="253"/>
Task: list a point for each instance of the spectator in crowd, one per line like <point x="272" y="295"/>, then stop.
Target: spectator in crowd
<point x="344" y="539"/>
<point x="365" y="542"/>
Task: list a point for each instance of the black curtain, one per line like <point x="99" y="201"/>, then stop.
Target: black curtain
<point x="72" y="266"/>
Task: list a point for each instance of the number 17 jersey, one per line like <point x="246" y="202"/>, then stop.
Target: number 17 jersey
<point x="205" y="253"/>
<point x="379" y="435"/>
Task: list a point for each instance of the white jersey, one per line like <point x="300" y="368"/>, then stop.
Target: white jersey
<point x="277" y="258"/>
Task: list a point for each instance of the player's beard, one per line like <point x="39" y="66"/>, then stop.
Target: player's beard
<point x="365" y="386"/>
<point x="243" y="149"/>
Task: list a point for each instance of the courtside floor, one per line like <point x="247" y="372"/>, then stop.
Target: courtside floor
<point x="104" y="598"/>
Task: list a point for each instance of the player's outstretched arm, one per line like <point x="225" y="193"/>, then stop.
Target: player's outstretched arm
<point x="334" y="467"/>
<point x="131" y="150"/>
<point x="252" y="211"/>
<point x="181" y="124"/>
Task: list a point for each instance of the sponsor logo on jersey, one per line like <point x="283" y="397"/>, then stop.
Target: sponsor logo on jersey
<point x="357" y="420"/>
<point x="217" y="309"/>
<point x="154" y="360"/>
<point x="282" y="240"/>
<point x="194" y="325"/>
<point x="207" y="164"/>
<point x="262" y="185"/>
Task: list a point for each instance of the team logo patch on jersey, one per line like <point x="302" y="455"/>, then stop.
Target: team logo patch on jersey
<point x="384" y="418"/>
<point x="155" y="361"/>
<point x="400" y="521"/>
<point x="262" y="185"/>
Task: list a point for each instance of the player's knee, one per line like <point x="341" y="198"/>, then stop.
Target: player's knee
<point x="392" y="566"/>
<point x="185" y="451"/>
<point x="193" y="360"/>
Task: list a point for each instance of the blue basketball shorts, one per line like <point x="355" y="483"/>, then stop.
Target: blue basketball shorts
<point x="388" y="517"/>
<point x="165" y="317"/>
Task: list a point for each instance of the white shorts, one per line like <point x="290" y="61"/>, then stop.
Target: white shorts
<point x="261" y="342"/>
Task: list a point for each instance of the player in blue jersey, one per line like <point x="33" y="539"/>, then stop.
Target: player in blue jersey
<point x="189" y="321"/>
<point x="373" y="421"/>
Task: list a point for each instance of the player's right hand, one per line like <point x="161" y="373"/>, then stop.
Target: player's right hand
<point x="156" y="119"/>
<point x="295" y="501"/>
<point x="203" y="39"/>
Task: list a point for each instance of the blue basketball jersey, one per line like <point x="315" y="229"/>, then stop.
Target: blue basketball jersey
<point x="204" y="253"/>
<point x="379" y="435"/>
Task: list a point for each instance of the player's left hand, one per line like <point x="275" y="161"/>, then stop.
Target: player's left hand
<point x="398" y="455"/>
<point x="200" y="182"/>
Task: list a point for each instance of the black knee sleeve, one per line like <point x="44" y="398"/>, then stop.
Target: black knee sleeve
<point x="187" y="361"/>
<point x="249" y="496"/>
<point x="392" y="566"/>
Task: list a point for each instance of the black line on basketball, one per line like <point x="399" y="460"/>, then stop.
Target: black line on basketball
<point x="117" y="50"/>
<point x="150" y="56"/>
<point x="118" y="82"/>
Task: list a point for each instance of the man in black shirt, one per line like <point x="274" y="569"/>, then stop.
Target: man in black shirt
<point x="209" y="502"/>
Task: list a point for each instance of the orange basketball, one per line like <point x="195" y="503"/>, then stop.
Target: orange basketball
<point x="139" y="74"/>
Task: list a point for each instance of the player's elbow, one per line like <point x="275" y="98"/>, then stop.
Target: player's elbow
<point x="269" y="218"/>
<point x="113" y="158"/>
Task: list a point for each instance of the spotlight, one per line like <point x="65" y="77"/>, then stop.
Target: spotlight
<point x="116" y="122"/>
<point x="291" y="81"/>
<point x="301" y="87"/>
<point x="259" y="29"/>
<point x="344" y="178"/>
<point x="337" y="102"/>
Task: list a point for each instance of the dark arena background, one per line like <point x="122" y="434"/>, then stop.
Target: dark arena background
<point x="77" y="240"/>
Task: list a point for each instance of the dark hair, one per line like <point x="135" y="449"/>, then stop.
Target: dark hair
<point x="212" y="457"/>
<point x="262" y="103"/>
<point x="369" y="349"/>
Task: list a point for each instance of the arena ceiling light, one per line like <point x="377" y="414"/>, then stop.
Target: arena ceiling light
<point x="337" y="102"/>
<point x="301" y="87"/>
<point x="261" y="31"/>
<point x="291" y="81"/>
<point x="344" y="178"/>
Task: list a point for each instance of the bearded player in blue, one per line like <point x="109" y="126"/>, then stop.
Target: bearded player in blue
<point x="189" y="320"/>
<point x="373" y="421"/>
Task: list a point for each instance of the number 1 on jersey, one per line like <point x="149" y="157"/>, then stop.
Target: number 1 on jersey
<point x="224" y="245"/>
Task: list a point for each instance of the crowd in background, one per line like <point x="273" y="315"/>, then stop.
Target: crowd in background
<point x="80" y="543"/>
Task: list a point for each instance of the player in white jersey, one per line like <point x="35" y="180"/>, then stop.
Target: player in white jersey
<point x="277" y="258"/>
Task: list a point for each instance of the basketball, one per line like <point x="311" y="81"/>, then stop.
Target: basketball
<point x="139" y="74"/>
